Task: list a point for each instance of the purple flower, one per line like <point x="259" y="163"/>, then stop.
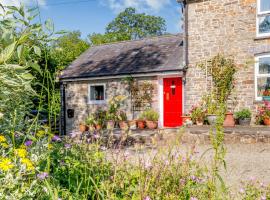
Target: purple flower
<point x="56" y="138"/>
<point x="28" y="143"/>
<point x="67" y="146"/>
<point x="42" y="175"/>
<point x="96" y="136"/>
<point x="147" y="198"/>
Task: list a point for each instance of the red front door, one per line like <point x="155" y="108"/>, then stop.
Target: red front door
<point x="172" y="98"/>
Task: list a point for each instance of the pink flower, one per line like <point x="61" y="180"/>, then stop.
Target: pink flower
<point x="242" y="190"/>
<point x="193" y="198"/>
<point x="147" y="198"/>
<point x="263" y="197"/>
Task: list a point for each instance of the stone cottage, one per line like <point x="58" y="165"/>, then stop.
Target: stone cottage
<point x="99" y="74"/>
<point x="238" y="28"/>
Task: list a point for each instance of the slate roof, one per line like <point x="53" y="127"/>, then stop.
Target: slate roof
<point x="157" y="54"/>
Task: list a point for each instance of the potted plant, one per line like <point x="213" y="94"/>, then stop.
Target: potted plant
<point x="110" y="121"/>
<point x="266" y="118"/>
<point x="83" y="127"/>
<point x="99" y="116"/>
<point x="197" y="115"/>
<point x="123" y="123"/>
<point x="211" y="109"/>
<point x="244" y="117"/>
<point x="90" y="122"/>
<point x="186" y="118"/>
<point x="266" y="95"/>
<point x="151" y="117"/>
<point x="141" y="121"/>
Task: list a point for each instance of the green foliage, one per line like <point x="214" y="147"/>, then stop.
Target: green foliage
<point x="197" y="113"/>
<point x="129" y="25"/>
<point x="66" y="49"/>
<point x="150" y="115"/>
<point x="243" y="114"/>
<point x="222" y="71"/>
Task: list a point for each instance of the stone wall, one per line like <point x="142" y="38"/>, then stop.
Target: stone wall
<point x="227" y="27"/>
<point x="77" y="99"/>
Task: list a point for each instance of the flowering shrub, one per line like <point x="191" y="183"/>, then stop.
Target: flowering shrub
<point x="263" y="112"/>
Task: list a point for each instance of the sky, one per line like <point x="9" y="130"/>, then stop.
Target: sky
<point x="92" y="16"/>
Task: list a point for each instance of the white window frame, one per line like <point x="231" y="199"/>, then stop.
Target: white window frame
<point x="261" y="14"/>
<point x="96" y="101"/>
<point x="257" y="75"/>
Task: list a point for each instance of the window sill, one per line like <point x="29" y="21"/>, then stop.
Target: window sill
<point x="101" y="102"/>
<point x="262" y="37"/>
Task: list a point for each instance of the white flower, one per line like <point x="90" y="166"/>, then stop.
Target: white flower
<point x="1" y="115"/>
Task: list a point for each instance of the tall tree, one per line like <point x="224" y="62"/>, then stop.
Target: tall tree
<point x="129" y="25"/>
<point x="67" y="48"/>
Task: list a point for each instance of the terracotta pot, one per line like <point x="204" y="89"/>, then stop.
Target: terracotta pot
<point x="83" y="128"/>
<point x="98" y="127"/>
<point x="151" y="124"/>
<point x="229" y="120"/>
<point x="186" y="119"/>
<point x="110" y="124"/>
<point x="199" y="122"/>
<point x="132" y="124"/>
<point x="141" y="124"/>
<point x="123" y="125"/>
<point x="266" y="121"/>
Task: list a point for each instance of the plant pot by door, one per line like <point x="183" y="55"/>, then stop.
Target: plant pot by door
<point x="229" y="120"/>
<point x="132" y="124"/>
<point x="212" y="119"/>
<point x="244" y="122"/>
<point x="199" y="122"/>
<point x="123" y="125"/>
<point x="110" y="124"/>
<point x="186" y="119"/>
<point x="152" y="124"/>
<point x="83" y="128"/>
<point x="266" y="121"/>
<point x="141" y="124"/>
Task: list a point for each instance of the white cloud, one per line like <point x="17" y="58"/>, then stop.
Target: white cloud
<point x="140" y="5"/>
<point x="25" y="2"/>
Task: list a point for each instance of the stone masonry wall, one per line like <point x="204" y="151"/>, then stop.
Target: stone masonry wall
<point x="77" y="99"/>
<point x="227" y="27"/>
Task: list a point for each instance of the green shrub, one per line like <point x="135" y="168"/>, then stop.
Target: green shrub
<point x="243" y="114"/>
<point x="150" y="115"/>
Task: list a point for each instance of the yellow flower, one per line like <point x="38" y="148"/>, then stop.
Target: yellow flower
<point x="50" y="146"/>
<point x="5" y="145"/>
<point x="2" y="138"/>
<point x="6" y="164"/>
<point x="28" y="163"/>
<point x="41" y="133"/>
<point x="22" y="153"/>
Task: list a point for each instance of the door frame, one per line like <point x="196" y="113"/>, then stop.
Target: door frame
<point x="160" y="95"/>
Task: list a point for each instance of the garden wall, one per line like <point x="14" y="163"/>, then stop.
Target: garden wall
<point x="77" y="99"/>
<point x="227" y="27"/>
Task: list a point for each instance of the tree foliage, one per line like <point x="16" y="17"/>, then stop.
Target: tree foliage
<point x="129" y="25"/>
<point x="66" y="49"/>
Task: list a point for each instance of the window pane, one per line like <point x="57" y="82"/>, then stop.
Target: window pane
<point x="263" y="84"/>
<point x="265" y="5"/>
<point x="264" y="24"/>
<point x="264" y="65"/>
<point x="97" y="93"/>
